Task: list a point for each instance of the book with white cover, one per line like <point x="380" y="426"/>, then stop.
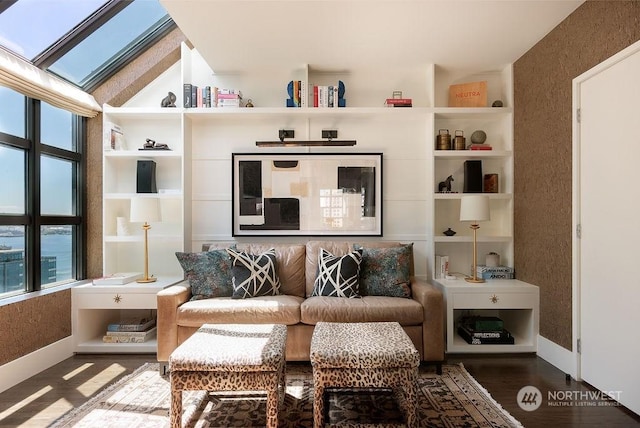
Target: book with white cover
<point x="118" y="278"/>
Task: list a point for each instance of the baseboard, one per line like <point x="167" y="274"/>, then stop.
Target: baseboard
<point x="23" y="368"/>
<point x="558" y="356"/>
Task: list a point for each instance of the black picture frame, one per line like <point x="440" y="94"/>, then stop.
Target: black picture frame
<point x="307" y="194"/>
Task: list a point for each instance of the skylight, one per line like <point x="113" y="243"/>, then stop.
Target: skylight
<point x="81" y="41"/>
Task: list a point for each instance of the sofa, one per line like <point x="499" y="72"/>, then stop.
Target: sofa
<point x="419" y="311"/>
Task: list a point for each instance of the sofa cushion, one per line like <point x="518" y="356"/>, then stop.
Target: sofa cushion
<point x="365" y="309"/>
<point x="208" y="272"/>
<point x="280" y="309"/>
<point x="338" y="248"/>
<point x="254" y="274"/>
<point x="385" y="271"/>
<point x="338" y="276"/>
<point x="290" y="262"/>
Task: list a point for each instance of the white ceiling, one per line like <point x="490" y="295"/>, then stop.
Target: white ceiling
<point x="235" y="35"/>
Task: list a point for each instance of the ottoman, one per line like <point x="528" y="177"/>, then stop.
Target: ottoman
<point x="364" y="355"/>
<point x="230" y="357"/>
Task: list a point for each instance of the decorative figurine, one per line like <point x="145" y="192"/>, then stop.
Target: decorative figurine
<point x="169" y="100"/>
<point x="449" y="232"/>
<point x="152" y="145"/>
<point x="249" y="103"/>
<point x="497" y="103"/>
<point x="445" y="186"/>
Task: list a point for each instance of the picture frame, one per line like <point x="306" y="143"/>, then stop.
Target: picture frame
<point x="307" y="194"/>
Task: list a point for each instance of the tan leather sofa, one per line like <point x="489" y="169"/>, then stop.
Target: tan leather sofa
<point x="421" y="316"/>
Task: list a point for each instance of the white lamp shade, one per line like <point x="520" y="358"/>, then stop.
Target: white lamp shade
<point x="474" y="208"/>
<point x="144" y="209"/>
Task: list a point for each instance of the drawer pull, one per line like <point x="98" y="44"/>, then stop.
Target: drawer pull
<point x="117" y="298"/>
<point x="494" y="299"/>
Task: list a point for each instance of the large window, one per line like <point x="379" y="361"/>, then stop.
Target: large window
<point x="41" y="195"/>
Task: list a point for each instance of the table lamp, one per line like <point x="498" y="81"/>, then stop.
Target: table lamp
<point x="474" y="208"/>
<point x="145" y="210"/>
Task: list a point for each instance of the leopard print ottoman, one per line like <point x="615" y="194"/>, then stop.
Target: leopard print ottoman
<point x="364" y="355"/>
<point x="230" y="357"/>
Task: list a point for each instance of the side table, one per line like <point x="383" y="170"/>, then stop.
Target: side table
<point x="516" y="302"/>
<point x="94" y="307"/>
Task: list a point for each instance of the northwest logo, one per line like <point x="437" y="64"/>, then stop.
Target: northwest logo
<point x="529" y="398"/>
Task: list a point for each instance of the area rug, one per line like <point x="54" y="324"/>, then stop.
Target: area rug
<point x="453" y="399"/>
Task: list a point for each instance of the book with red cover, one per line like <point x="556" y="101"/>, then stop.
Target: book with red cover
<point x="398" y="101"/>
<point x="480" y="147"/>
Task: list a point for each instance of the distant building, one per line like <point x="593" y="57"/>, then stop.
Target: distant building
<point x="12" y="270"/>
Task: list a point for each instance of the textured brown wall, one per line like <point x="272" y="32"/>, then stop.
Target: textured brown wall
<point x="542" y="140"/>
<point x="34" y="323"/>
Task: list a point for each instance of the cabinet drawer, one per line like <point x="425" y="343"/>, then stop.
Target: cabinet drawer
<point x="116" y="301"/>
<point x="497" y="300"/>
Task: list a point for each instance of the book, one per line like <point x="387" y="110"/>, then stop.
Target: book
<point x="481" y="323"/>
<point x="502" y="337"/>
<point x="132" y="324"/>
<point x="118" y="278"/>
<point x="187" y="95"/>
<point x="493" y="269"/>
<point x="398" y="102"/>
<point x="496" y="275"/>
<point x="129" y="337"/>
<point x="480" y="147"/>
<point x="442" y="266"/>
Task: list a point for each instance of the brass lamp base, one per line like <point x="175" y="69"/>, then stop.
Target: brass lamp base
<point x="147" y="280"/>
<point x="474" y="280"/>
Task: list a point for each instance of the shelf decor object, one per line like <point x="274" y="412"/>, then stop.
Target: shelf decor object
<point x="145" y="210"/>
<point x="307" y="194"/>
<point x="474" y="208"/>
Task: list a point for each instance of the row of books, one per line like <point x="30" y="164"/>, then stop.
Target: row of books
<point x="210" y="96"/>
<point x="134" y="330"/>
<point x="321" y="96"/>
<point x="481" y="330"/>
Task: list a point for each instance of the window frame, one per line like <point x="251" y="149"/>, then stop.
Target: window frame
<point x="33" y="220"/>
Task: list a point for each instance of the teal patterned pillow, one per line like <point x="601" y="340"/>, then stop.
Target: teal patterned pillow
<point x="386" y="271"/>
<point x="208" y="272"/>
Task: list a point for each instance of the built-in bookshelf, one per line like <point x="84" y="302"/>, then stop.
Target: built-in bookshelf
<point x="413" y="210"/>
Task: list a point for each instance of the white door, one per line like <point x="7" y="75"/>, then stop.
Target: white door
<point x="608" y="204"/>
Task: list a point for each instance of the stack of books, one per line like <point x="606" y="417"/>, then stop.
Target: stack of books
<point x="398" y="102"/>
<point x="497" y="272"/>
<point x="481" y="330"/>
<point x="120" y="278"/>
<point x="228" y="98"/>
<point x="134" y="330"/>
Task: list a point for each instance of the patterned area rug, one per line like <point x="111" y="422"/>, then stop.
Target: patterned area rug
<point x="142" y="399"/>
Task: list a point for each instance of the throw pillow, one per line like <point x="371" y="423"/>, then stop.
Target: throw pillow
<point x="208" y="272"/>
<point x="386" y="271"/>
<point x="254" y="274"/>
<point x="338" y="276"/>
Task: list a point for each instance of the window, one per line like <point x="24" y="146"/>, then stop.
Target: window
<point x="41" y="199"/>
<point x="84" y="42"/>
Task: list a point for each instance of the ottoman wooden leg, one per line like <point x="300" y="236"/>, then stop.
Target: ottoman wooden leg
<point x="318" y="406"/>
<point x="272" y="407"/>
<point x="176" y="408"/>
<point x="410" y="397"/>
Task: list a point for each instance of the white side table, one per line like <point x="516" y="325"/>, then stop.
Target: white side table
<point x="516" y="302"/>
<point x="94" y="307"/>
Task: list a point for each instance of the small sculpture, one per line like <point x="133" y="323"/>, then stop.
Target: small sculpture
<point x="449" y="232"/>
<point x="249" y="103"/>
<point x="478" y="137"/>
<point x="445" y="186"/>
<point x="497" y="103"/>
<point x="169" y="100"/>
<point x="152" y="145"/>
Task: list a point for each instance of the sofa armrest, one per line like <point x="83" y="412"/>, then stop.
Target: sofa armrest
<point x="169" y="299"/>
<point x="432" y="302"/>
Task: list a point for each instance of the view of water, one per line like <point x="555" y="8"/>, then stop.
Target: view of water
<point x="58" y="246"/>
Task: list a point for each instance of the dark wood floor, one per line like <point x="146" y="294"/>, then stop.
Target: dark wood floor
<point x="46" y="396"/>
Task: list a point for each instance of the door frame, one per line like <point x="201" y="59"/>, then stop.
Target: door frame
<point x="576" y="280"/>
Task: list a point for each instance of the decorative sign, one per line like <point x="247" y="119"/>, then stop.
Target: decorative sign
<point x="472" y="94"/>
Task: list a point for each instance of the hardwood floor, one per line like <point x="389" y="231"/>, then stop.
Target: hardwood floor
<point x="42" y="399"/>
